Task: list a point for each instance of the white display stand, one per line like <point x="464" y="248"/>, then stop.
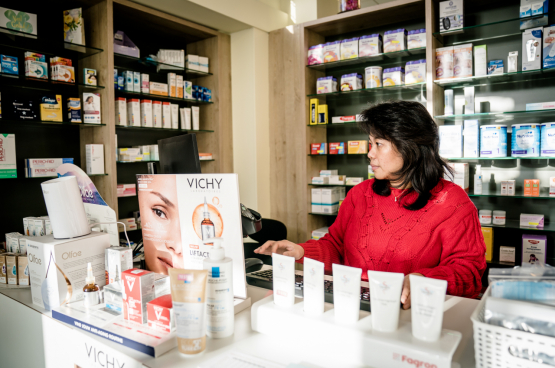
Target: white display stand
<point x="357" y="343"/>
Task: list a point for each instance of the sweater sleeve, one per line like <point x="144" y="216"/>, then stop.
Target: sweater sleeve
<point x="329" y="249"/>
<point x="462" y="261"/>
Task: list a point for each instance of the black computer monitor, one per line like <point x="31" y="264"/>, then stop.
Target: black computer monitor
<point x="179" y="155"/>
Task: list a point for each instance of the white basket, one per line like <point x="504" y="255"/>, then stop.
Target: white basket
<point x="492" y="343"/>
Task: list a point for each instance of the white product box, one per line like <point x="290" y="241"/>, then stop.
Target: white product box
<point x="461" y="175"/>
<point x="319" y="233"/>
<point x="507" y="254"/>
<point x="469" y="101"/>
<point x="549" y="47"/>
<point x="203" y="64"/>
<point x="481" y="60"/>
<point x="326" y="85"/>
<point x="95" y="158"/>
<point x="8" y="168"/>
<point x="129" y="151"/>
<point x="157" y="114"/>
<point x="330" y="208"/>
<point x="27" y="224"/>
<point x="179" y="86"/>
<point x="449" y="105"/>
<point x="337" y="180"/>
<point x="121" y="111"/>
<point x="351" y="82"/>
<point x="451" y="16"/>
<point x="533" y="249"/>
<point x="91" y="108"/>
<point x="395" y="40"/>
<point x="196" y="117"/>
<point x="185" y="118"/>
<point x="172" y="90"/>
<point x="133" y="112"/>
<point x="531" y="220"/>
<point x="136" y="82"/>
<point x="540" y="106"/>
<point x="530" y="8"/>
<point x="160" y="89"/>
<point x="192" y="62"/>
<point x="128" y="79"/>
<point x="415" y="72"/>
<point x="508" y="187"/>
<point x="370" y="45"/>
<point x="127" y="190"/>
<point x="416" y="39"/>
<point x="174" y="111"/>
<point x="450" y="141"/>
<point x="315" y="54"/>
<point x="145" y="83"/>
<point x="328" y="172"/>
<point x="154" y="152"/>
<point x="532" y="49"/>
<point x="444" y="62"/>
<point x="471" y="139"/>
<point x="332" y="51"/>
<point x="551" y="187"/>
<point x="343" y="119"/>
<point x="316" y="200"/>
<point x="187" y="90"/>
<point x="40" y="172"/>
<point x="146" y="113"/>
<point x="353" y="181"/>
<point x="393" y="77"/>
<point x="512" y="62"/>
<point x="349" y="48"/>
<point x="166" y="116"/>
<point x="462" y="61"/>
<point x="320" y="180"/>
<point x="69" y="257"/>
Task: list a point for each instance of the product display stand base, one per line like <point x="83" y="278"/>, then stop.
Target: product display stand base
<point x="357" y="343"/>
<point x="241" y="304"/>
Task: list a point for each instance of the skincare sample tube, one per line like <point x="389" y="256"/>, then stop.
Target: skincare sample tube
<point x="284" y="280"/>
<point x="313" y="275"/>
<point x="385" y="299"/>
<point x="196" y="118"/>
<point x="346" y="293"/>
<point x="427" y="298"/>
<point x="188" y="289"/>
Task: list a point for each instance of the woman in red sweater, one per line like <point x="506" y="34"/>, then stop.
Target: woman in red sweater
<point x="408" y="219"/>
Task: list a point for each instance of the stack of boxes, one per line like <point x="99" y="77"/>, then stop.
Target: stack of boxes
<point x="461" y="175"/>
<point x="327" y="200"/>
<point x="139" y="153"/>
<point x="129" y="224"/>
<point x="44" y="167"/>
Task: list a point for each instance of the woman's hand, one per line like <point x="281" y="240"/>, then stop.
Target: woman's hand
<point x="405" y="294"/>
<point x="284" y="247"/>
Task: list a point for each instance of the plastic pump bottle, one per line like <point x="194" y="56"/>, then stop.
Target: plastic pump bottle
<point x="478" y="180"/>
<point x="91" y="292"/>
<point x="220" y="311"/>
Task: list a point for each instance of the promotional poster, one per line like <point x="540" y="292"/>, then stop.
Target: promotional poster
<point x="178" y="212"/>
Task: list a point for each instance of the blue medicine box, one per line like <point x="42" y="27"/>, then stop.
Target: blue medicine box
<point x="9" y="65"/>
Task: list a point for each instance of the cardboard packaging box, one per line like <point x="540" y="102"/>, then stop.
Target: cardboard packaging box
<point x="451" y="16"/>
<point x="349" y="48"/>
<point x="179" y="86"/>
<point x="395" y="40"/>
<point x="451" y="141"/>
<point x="533" y="249"/>
<point x="8" y="168"/>
<point x="91" y="108"/>
<point x="160" y="89"/>
<point x="74" y="110"/>
<point x="121" y="111"/>
<point x="157" y="114"/>
<point x="160" y="314"/>
<point x="3" y="269"/>
<point x="415" y="71"/>
<point x="146" y="113"/>
<point x="166" y="116"/>
<point x="549" y="47"/>
<point x="318" y="148"/>
<point x="357" y="147"/>
<point x="532" y="49"/>
<point x="145" y="83"/>
<point x="94" y="159"/>
<point x="69" y="257"/>
<point x="462" y="61"/>
<point x="471" y="134"/>
<point x="534" y="221"/>
<point x="133" y="112"/>
<point x="326" y="85"/>
<point x="136" y="82"/>
<point x="23" y="270"/>
<point x="444" y="62"/>
<point x="370" y="45"/>
<point x="487" y="232"/>
<point x="139" y="290"/>
<point x="11" y="268"/>
<point x="507" y="254"/>
<point x="393" y="77"/>
<point x="316" y="200"/>
<point x="320" y="180"/>
<point x="313" y="113"/>
<point x="416" y="38"/>
<point x="480" y="60"/>
<point x="322" y="114"/>
<point x="113" y="296"/>
<point x="461" y="175"/>
<point x="532" y="187"/>
<point x="172" y="81"/>
<point x="332" y="51"/>
<point x="51" y="108"/>
<point x="337" y="148"/>
<point x="117" y="257"/>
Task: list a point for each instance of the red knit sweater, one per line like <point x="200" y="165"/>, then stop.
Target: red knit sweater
<point x="443" y="240"/>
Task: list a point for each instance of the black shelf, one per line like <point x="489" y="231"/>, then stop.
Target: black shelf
<point x="128" y="62"/>
<point x="47" y="123"/>
<point x="164" y="130"/>
<point x="21" y="81"/>
<point x="128" y="94"/>
<point x="135" y="162"/>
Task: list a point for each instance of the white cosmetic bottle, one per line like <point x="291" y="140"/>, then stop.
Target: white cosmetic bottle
<point x="478" y="180"/>
<point x="220" y="311"/>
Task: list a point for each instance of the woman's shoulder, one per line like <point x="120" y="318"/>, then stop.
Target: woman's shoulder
<point x="451" y="194"/>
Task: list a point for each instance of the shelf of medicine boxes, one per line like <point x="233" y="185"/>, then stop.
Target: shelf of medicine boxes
<point x="334" y="125"/>
<point x="24" y="42"/>
<point x="505" y="78"/>
<point x="338" y="155"/>
<point x="159" y="97"/>
<point x="135" y="162"/>
<point x="164" y="130"/>
<point x="127" y="62"/>
<point x="331" y="185"/>
<point x="494" y="30"/>
<point x="544" y="194"/>
<point x="54" y="177"/>
<point x="498" y="158"/>
<point x="47" y="123"/>
<point x="390" y="57"/>
<point x="323" y="214"/>
<point x="42" y="84"/>
<point x="378" y="91"/>
<point x="498" y="116"/>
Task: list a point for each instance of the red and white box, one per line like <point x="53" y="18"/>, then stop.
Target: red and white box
<point x="139" y="290"/>
<point x="337" y="148"/>
<point x="343" y="119"/>
<point x="127" y="190"/>
<point x="160" y="313"/>
<point x="318" y="148"/>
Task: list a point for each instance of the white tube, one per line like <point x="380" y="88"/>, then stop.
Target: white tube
<point x="284" y="280"/>
<point x="427" y="298"/>
<point x="346" y="293"/>
<point x="385" y="299"/>
<point x="313" y="277"/>
<point x="196" y="121"/>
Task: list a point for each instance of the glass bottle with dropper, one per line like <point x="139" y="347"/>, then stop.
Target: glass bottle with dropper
<point x="207" y="226"/>
<point x="91" y="291"/>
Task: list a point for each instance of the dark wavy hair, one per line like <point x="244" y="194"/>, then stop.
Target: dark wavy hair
<point x="413" y="132"/>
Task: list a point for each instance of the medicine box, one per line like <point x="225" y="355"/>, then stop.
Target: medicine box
<point x="316" y="199"/>
<point x="320" y="180"/>
<point x="120" y="258"/>
<point x="157" y="114"/>
<point x="370" y="45"/>
<point x="74" y="110"/>
<point x="315" y="54"/>
<point x="8" y="65"/>
<point x="451" y="16"/>
<point x="328" y="173"/>
<point x="136" y="82"/>
<point x="338" y="180"/>
<point x="23" y="270"/>
<point x="357" y="147"/>
<point x="121" y="111"/>
<point x="187" y="90"/>
<point x="11" y="268"/>
<point x="318" y="148"/>
<point x="139" y="290"/>
<point x="174" y="111"/>
<point x="203" y="64"/>
<point x="471" y="138"/>
<point x="540" y="106"/>
<point x="160" y="314"/>
<point x="172" y="80"/>
<point x="337" y="148"/>
<point x="91" y="108"/>
<point x="480" y="60"/>
<point x="487" y="233"/>
<point x="322" y="114"/>
<point x="166" y="116"/>
<point x="146" y="113"/>
<point x="3" y="269"/>
<point x="450" y="141"/>
<point x="462" y="61"/>
<point x="8" y="167"/>
<point x="330" y="196"/>
<point x="351" y="82"/>
<point x="179" y="86"/>
<point x="353" y="181"/>
<point x="95" y="159"/>
<point x="395" y="40"/>
<point x="535" y="221"/>
<point x="133" y="112"/>
<point x="532" y="49"/>
<point x="495" y="67"/>
<point x="160" y="89"/>
<point x="393" y="77"/>
<point x="326" y="85"/>
<point x="549" y="47"/>
<point x="145" y="83"/>
<point x="461" y="175"/>
<point x="507" y="254"/>
<point x="313" y="112"/>
<point x="343" y="119"/>
<point x="51" y="108"/>
<point x="128" y="79"/>
<point x="533" y="249"/>
<point x="36" y="69"/>
<point x="192" y="62"/>
<point x="416" y="38"/>
<point x="415" y="71"/>
<point x="319" y="233"/>
<point x="444" y="62"/>
<point x="551" y="186"/>
<point x="531" y="187"/>
<point x="349" y="48"/>
<point x="332" y="51"/>
<point x="89" y="76"/>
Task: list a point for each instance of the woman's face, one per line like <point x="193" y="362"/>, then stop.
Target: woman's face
<point x="161" y="225"/>
<point x="384" y="159"/>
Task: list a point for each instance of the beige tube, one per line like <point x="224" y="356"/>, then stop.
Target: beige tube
<point x="188" y="288"/>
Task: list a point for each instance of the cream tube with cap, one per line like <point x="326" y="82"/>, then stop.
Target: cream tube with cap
<point x="385" y="299"/>
<point x="346" y="293"/>
<point x="284" y="280"/>
<point x="427" y="298"/>
<point x="313" y="286"/>
<point x="188" y="289"/>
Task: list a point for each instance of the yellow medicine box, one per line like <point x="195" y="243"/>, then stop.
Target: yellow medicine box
<point x="51" y="108"/>
<point x="357" y="147"/>
<point x="322" y="114"/>
<point x="487" y="232"/>
<point x="313" y="112"/>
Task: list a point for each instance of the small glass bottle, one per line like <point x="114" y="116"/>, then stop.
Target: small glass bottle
<point x="207" y="226"/>
<point x="91" y="291"/>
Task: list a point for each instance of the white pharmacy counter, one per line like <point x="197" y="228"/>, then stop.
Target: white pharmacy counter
<point x="31" y="338"/>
